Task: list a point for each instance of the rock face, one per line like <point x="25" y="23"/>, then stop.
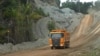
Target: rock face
<point x="40" y="29"/>
<point x="7" y="48"/>
<point x="63" y="18"/>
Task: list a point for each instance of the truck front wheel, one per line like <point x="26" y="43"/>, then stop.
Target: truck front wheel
<point x="52" y="47"/>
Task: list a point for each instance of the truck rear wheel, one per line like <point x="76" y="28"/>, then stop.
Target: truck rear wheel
<point x="67" y="46"/>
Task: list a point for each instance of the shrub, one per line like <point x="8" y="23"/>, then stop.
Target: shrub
<point x="51" y="25"/>
<point x="40" y="11"/>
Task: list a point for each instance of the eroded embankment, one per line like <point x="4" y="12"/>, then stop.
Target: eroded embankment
<point x="85" y="32"/>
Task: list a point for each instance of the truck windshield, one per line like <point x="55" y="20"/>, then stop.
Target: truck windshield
<point x="57" y="35"/>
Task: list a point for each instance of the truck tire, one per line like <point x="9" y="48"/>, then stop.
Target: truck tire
<point x="67" y="45"/>
<point x="52" y="47"/>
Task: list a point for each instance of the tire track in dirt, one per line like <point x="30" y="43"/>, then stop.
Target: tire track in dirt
<point x="79" y="35"/>
<point x="85" y="34"/>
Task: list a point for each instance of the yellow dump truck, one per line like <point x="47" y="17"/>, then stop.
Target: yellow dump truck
<point x="59" y="38"/>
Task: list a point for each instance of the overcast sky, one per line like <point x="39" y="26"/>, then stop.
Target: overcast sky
<point x="81" y="0"/>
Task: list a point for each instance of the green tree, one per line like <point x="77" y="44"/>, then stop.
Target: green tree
<point x="58" y="2"/>
<point x="51" y="25"/>
<point x="77" y="6"/>
<point x="17" y="16"/>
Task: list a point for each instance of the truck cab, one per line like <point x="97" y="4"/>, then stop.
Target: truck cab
<point x="59" y="38"/>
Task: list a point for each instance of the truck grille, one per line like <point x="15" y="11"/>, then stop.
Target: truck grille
<point x="56" y="41"/>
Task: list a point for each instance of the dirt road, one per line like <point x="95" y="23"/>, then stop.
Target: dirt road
<point x="44" y="52"/>
<point x="83" y="34"/>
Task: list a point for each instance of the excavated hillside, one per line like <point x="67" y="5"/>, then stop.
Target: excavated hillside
<point x="86" y="34"/>
<point x="63" y="18"/>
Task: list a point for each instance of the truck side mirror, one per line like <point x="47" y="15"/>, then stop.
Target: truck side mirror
<point x="49" y="35"/>
<point x="62" y="34"/>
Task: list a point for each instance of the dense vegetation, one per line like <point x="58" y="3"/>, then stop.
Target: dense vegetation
<point x="16" y="17"/>
<point x="77" y="6"/>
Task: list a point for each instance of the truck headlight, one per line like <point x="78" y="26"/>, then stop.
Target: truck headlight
<point x="61" y="45"/>
<point x="50" y="44"/>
